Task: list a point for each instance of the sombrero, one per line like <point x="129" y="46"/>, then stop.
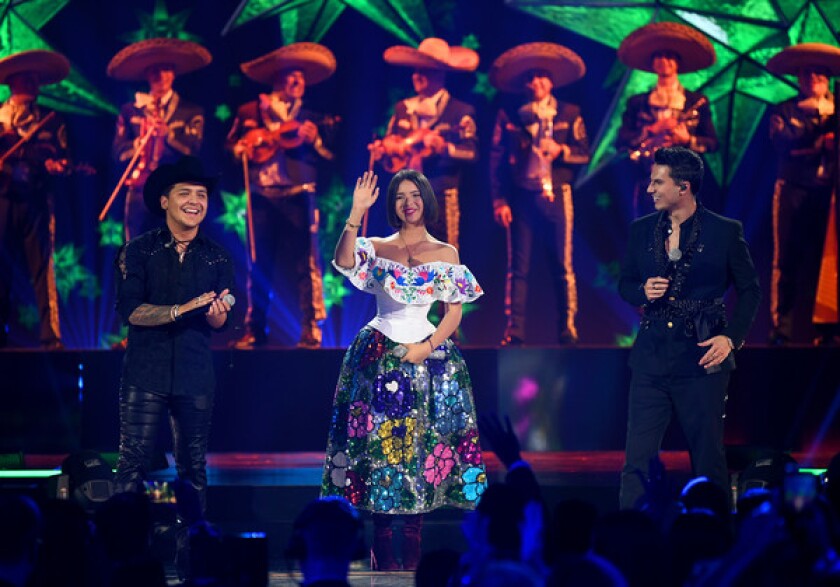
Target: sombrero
<point x="131" y="63"/>
<point x="48" y="66"/>
<point x="187" y="169"/>
<point x="433" y="53"/>
<point x="315" y="61"/>
<point x="509" y="70"/>
<point x="694" y="50"/>
<point x="790" y="59"/>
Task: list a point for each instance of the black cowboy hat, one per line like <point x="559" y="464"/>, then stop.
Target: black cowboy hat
<point x="187" y="169"/>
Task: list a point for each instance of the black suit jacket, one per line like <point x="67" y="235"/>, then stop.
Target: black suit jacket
<point x="721" y="259"/>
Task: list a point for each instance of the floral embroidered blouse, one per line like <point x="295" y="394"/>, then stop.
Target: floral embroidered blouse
<point x="404" y="295"/>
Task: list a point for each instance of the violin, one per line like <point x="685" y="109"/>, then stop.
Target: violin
<point x="261" y="144"/>
<point x="398" y="152"/>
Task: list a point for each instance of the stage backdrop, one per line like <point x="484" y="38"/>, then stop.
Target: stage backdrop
<point x="362" y="91"/>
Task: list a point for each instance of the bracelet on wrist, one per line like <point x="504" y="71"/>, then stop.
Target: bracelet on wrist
<point x="174" y="312"/>
<point x="432" y="346"/>
<point x="351" y="225"/>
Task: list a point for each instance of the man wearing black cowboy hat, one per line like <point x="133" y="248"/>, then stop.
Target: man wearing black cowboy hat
<point x="173" y="291"/>
<point x="26" y="214"/>
<point x="176" y="125"/>
<point x="803" y="131"/>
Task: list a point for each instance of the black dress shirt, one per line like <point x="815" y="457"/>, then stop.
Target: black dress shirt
<point x="172" y="358"/>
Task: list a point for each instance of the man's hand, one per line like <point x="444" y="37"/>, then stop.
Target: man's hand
<point x="308" y="132"/>
<point x="719" y="348"/>
<point x="503" y="215"/>
<point x="655" y="288"/>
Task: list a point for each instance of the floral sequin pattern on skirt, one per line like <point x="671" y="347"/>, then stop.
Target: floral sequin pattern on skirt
<point x="403" y="438"/>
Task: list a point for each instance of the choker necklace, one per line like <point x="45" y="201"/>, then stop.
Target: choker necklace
<point x="411" y="260"/>
<point x="184" y="252"/>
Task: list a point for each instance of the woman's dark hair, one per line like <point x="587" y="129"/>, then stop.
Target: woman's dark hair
<point x="430" y="206"/>
<point x="685" y="165"/>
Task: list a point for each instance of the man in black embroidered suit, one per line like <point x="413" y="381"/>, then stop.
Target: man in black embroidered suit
<point x="668" y="115"/>
<point x="679" y="263"/>
<point x="285" y="143"/>
<point x="27" y="223"/>
<point x="172" y="284"/>
<point x="538" y="144"/>
<point x="432" y="132"/>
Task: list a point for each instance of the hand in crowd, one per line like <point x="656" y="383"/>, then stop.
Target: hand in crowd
<point x="500" y="438"/>
<point x="655" y="288"/>
<point x="719" y="348"/>
<point x="503" y="215"/>
<point x="308" y="132"/>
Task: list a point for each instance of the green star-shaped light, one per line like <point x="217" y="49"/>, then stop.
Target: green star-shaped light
<point x="334" y="289"/>
<point x="109" y="339"/>
<point x="607" y="275"/>
<point x="72" y="275"/>
<point x="309" y="20"/>
<point x="483" y="87"/>
<point x="20" y="22"/>
<point x="160" y="23"/>
<point x="222" y="113"/>
<point x="233" y="217"/>
<point x="626" y="340"/>
<point x="603" y="200"/>
<point x="471" y="42"/>
<point x="28" y="316"/>
<point x="111" y="233"/>
<point x="739" y="87"/>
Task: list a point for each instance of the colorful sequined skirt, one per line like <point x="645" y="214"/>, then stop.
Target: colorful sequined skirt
<point x="403" y="438"/>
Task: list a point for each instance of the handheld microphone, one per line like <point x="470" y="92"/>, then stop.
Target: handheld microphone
<point x="229" y="300"/>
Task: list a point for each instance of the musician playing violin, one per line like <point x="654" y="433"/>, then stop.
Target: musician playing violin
<point x="669" y="115"/>
<point x="284" y="143"/>
<point x="160" y="122"/>
<point x="432" y="132"/>
<point x="33" y="147"/>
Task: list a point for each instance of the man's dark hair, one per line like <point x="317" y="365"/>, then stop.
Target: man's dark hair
<point x="685" y="165"/>
<point x="430" y="206"/>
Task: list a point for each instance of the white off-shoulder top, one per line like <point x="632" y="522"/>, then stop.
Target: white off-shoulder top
<point x="405" y="294"/>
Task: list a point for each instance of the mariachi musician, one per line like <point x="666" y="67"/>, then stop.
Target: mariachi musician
<point x="33" y="147"/>
<point x="158" y="126"/>
<point x="432" y="132"/>
<point x="668" y="115"/>
<point x="282" y="143"/>
<point x="539" y="142"/>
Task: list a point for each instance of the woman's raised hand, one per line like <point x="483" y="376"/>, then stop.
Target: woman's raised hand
<point x="366" y="191"/>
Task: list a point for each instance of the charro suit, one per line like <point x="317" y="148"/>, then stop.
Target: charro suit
<point x="664" y="359"/>
<point x="455" y="121"/>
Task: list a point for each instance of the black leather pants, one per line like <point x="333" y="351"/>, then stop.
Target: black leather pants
<point x="141" y="414"/>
